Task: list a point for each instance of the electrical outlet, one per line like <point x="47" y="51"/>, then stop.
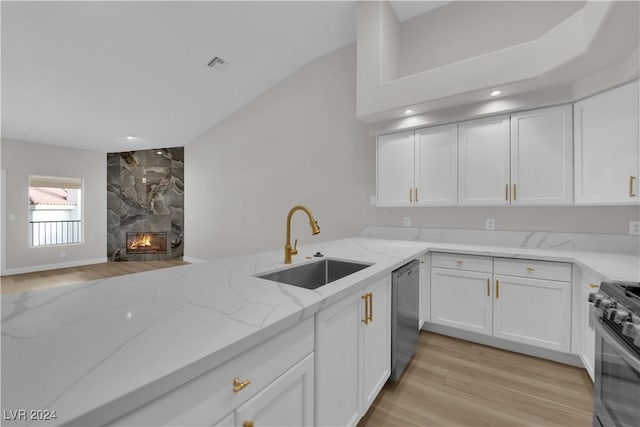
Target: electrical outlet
<point x="372" y="200"/>
<point x="12" y="217"/>
<point x="63" y="254"/>
<point x="407" y="221"/>
<point x="490" y="224"/>
<point x="634" y="228"/>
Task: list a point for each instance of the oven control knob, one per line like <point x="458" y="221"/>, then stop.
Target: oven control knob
<point x="610" y="314"/>
<point x="602" y="303"/>
<point x="620" y="316"/>
<point x="630" y="330"/>
<point x="594" y="296"/>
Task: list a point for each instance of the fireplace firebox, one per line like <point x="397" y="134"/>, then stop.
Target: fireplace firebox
<point x="147" y="242"/>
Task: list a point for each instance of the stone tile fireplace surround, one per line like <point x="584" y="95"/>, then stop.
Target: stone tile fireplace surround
<point x="145" y="194"/>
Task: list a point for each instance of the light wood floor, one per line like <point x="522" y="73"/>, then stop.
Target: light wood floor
<point x="451" y="382"/>
<point x="66" y="276"/>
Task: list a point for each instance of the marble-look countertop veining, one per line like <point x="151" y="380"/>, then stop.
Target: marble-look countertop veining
<point x="89" y="350"/>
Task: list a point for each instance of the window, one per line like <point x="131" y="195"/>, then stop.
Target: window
<point x="55" y="210"/>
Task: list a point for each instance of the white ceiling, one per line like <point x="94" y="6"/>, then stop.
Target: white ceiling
<point x="88" y="74"/>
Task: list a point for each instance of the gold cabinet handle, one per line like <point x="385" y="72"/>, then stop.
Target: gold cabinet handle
<point x="506" y="192"/>
<point x="410" y="195"/>
<point x="247" y="424"/>
<point x="239" y="385"/>
<point x="365" y="297"/>
<point x="497" y="289"/>
<point x="530" y="269"/>
<point x="514" y="192"/>
<point x="631" y="180"/>
<point x="591" y="285"/>
<point x="488" y="288"/>
<point x="370" y="307"/>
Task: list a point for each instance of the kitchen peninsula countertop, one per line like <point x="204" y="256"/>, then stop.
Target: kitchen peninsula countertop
<point x="98" y="349"/>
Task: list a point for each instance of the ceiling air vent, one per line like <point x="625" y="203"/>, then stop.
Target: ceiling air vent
<point x="218" y="63"/>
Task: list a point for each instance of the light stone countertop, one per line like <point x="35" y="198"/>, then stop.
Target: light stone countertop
<point x="93" y="349"/>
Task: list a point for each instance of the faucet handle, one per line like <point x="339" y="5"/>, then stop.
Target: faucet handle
<point x="294" y="251"/>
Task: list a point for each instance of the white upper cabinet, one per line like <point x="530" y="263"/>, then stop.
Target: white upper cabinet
<point x="484" y="162"/>
<point x="395" y="169"/>
<point x="607" y="147"/>
<point x="542" y="157"/>
<point x="436" y="166"/>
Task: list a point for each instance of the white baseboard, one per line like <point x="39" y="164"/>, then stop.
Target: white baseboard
<point x="193" y="260"/>
<point x="543" y="353"/>
<point x="43" y="267"/>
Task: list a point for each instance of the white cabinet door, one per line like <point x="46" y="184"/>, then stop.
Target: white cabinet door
<point x="542" y="157"/>
<point x="586" y="335"/>
<point x="461" y="299"/>
<point x="376" y="342"/>
<point x="338" y="355"/>
<point x="436" y="166"/>
<point x="484" y="162"/>
<point x="607" y="147"/>
<point x="288" y="401"/>
<point x="425" y="290"/>
<point x="395" y="165"/>
<point x="532" y="311"/>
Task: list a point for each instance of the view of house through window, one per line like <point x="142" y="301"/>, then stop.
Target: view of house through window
<point x="55" y="210"/>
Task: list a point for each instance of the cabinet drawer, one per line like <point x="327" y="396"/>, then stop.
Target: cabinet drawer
<point x="462" y="262"/>
<point x="547" y="270"/>
<point x="209" y="397"/>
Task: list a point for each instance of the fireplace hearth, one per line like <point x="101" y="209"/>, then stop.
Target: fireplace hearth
<point x="147" y="242"/>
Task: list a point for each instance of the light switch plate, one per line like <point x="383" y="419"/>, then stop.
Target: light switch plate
<point x="490" y="224"/>
<point x="407" y="221"/>
<point x="372" y="200"/>
<point x="12" y="217"/>
<point x="634" y="228"/>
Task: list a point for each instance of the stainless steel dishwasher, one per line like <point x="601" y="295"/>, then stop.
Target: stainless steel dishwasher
<point x="405" y="283"/>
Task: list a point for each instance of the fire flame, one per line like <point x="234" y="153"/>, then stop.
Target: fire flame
<point x="142" y="242"/>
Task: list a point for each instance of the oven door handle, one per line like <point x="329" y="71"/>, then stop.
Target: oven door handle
<point x="614" y="342"/>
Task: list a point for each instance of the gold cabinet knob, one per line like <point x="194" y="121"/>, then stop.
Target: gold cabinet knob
<point x="458" y="262"/>
<point x="530" y="269"/>
<point x="239" y="385"/>
<point x="247" y="424"/>
<point x="591" y="285"/>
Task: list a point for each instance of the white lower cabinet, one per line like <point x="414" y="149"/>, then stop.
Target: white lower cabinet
<point x="353" y="357"/>
<point x="533" y="311"/>
<point x="585" y="341"/>
<point x="278" y="388"/>
<point x="288" y="401"/>
<point x="425" y="291"/>
<point x="461" y="299"/>
<point x="524" y="301"/>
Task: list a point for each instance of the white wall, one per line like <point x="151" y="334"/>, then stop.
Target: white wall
<point x="21" y="159"/>
<point x="300" y="143"/>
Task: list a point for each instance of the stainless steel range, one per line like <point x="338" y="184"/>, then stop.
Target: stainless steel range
<point x="616" y="314"/>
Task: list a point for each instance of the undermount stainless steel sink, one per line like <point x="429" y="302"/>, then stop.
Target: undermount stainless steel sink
<point x="315" y="274"/>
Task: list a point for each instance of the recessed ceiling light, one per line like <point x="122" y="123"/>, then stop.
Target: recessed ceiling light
<point x="131" y="137"/>
<point x="159" y="152"/>
<point x="409" y="111"/>
<point x="495" y="93"/>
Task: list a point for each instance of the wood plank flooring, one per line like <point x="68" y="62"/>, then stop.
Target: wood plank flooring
<point x="451" y="382"/>
<point x="66" y="276"/>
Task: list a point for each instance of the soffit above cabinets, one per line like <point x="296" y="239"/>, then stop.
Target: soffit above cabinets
<point x="593" y="46"/>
